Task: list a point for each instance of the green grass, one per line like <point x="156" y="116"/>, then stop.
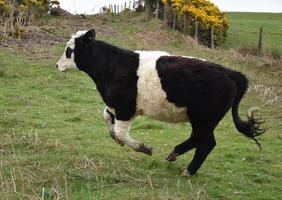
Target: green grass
<point x="246" y="28"/>
<point x="55" y="145"/>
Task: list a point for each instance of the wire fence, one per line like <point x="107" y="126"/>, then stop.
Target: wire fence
<point x="255" y="42"/>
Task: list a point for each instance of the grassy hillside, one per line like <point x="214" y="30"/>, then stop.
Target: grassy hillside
<point x="55" y="145"/>
<point x="246" y="28"/>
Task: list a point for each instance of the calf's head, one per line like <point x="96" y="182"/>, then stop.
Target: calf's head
<point x="67" y="60"/>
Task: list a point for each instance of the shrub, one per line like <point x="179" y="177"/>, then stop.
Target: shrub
<point x="206" y="13"/>
<point x="17" y="14"/>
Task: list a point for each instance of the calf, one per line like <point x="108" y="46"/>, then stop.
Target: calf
<point x="164" y="87"/>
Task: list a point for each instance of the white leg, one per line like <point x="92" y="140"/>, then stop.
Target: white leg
<point x="122" y="132"/>
<point x="109" y="117"/>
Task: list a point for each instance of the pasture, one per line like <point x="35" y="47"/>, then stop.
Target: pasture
<point x="54" y="143"/>
<point x="245" y="27"/>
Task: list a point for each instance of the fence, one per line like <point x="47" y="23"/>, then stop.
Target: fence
<point x="255" y="42"/>
<point x="258" y="41"/>
<point x="117" y="8"/>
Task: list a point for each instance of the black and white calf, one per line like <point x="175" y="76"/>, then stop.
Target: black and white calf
<point x="164" y="87"/>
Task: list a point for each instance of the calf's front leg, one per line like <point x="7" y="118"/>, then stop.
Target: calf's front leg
<point x="109" y="118"/>
<point x="122" y="132"/>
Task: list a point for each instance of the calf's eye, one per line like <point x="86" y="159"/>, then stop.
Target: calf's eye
<point x="69" y="52"/>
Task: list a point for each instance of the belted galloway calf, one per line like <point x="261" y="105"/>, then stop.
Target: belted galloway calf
<point x="164" y="87"/>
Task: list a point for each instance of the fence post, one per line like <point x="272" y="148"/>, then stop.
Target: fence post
<point x="196" y="30"/>
<point x="234" y="38"/>
<point x="260" y="42"/>
<point x="165" y="17"/>
<point x="212" y="37"/>
<point x="174" y="21"/>
<point x="184" y="25"/>
<point x="115" y="8"/>
<point x="157" y="10"/>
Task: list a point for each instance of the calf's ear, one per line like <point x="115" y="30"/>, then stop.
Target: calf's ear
<point x="89" y="36"/>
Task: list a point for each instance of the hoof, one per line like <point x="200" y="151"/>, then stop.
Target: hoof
<point x="115" y="138"/>
<point x="186" y="173"/>
<point x="172" y="156"/>
<point x="144" y="148"/>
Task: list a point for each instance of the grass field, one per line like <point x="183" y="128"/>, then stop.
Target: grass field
<point x="246" y="28"/>
<point x="55" y="145"/>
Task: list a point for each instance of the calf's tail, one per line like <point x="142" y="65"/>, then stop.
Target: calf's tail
<point x="251" y="127"/>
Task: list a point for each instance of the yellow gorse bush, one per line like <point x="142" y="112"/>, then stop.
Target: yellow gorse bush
<point x="205" y="12"/>
<point x="202" y="10"/>
<point x="2" y="3"/>
<point x="38" y="5"/>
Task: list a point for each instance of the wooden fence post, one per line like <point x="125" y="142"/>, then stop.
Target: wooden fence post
<point x="212" y="37"/>
<point x="157" y="10"/>
<point x="234" y="38"/>
<point x="115" y="8"/>
<point x="184" y="25"/>
<point x="196" y="30"/>
<point x="260" y="42"/>
<point x="165" y="13"/>
<point x="174" y="21"/>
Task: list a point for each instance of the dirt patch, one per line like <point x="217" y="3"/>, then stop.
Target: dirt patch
<point x="34" y="37"/>
<point x="46" y="34"/>
<point x="33" y="44"/>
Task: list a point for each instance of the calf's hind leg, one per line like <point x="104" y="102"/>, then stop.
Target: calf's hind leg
<point x="204" y="142"/>
<point x="182" y="148"/>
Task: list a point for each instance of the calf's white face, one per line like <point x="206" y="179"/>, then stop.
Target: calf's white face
<point x="67" y="60"/>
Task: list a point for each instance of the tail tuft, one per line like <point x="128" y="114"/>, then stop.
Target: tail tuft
<point x="254" y="125"/>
